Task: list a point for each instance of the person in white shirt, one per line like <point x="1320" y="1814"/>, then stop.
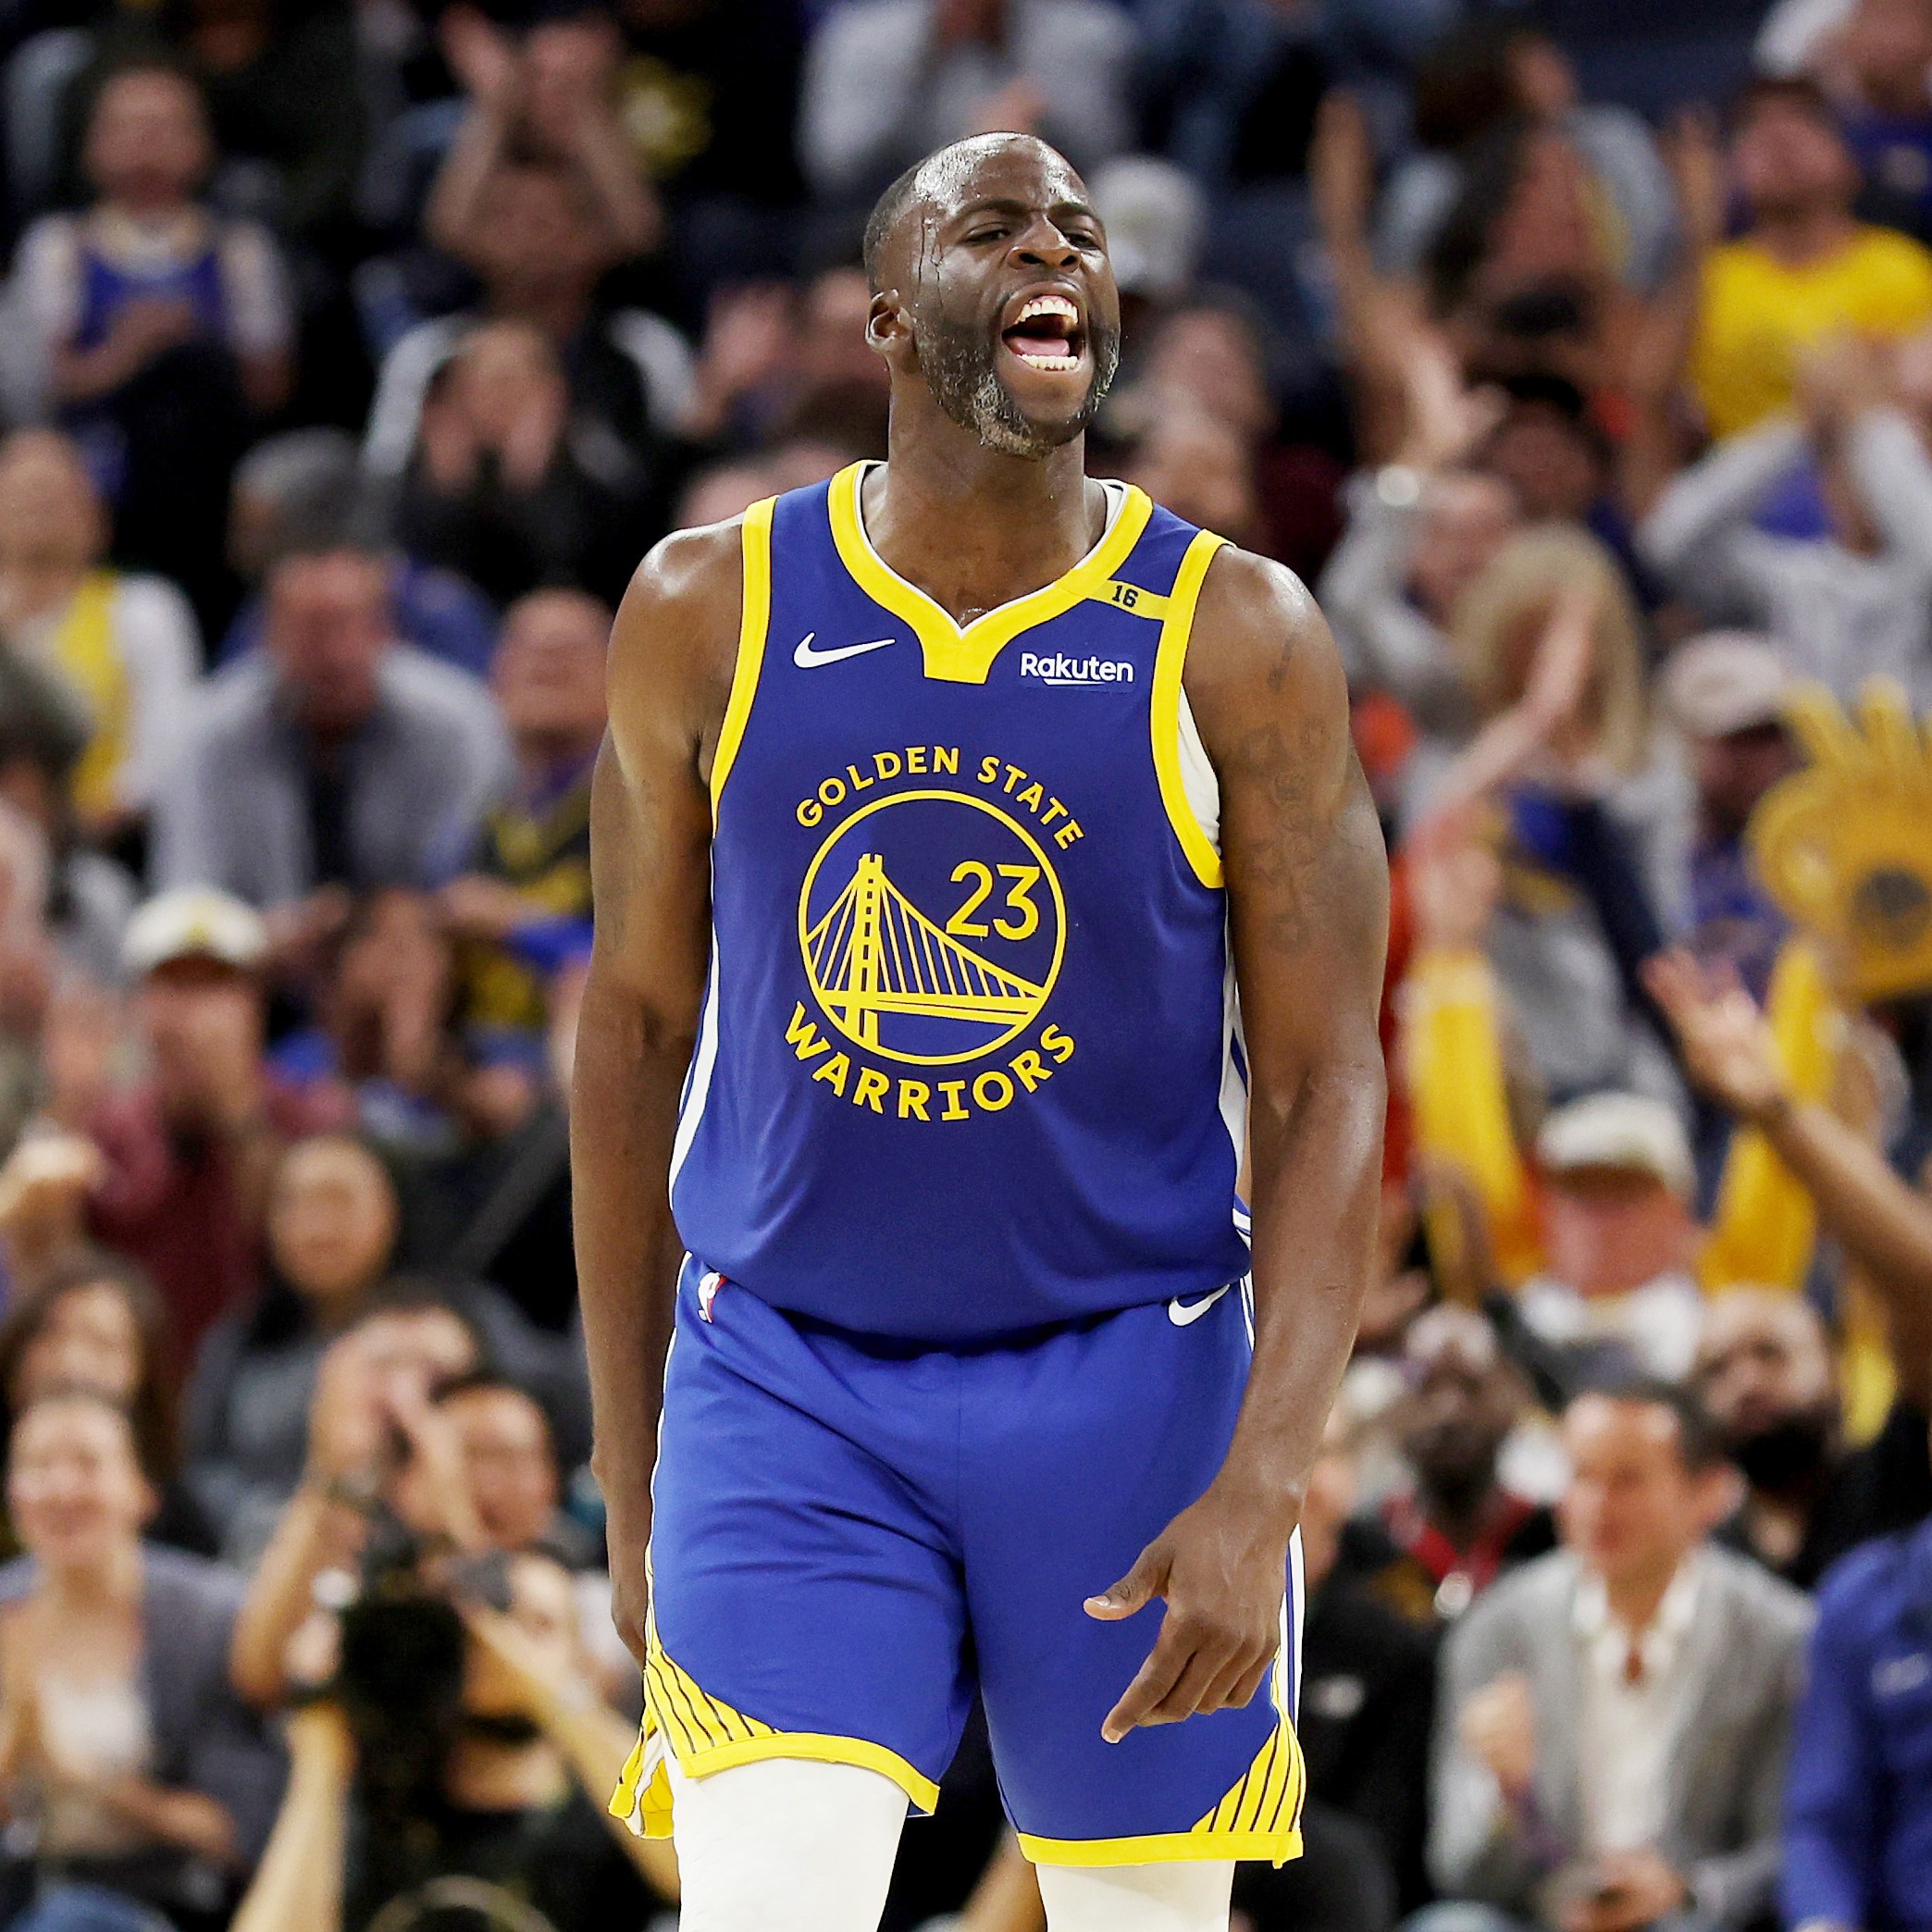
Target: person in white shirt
<point x="1614" y="1718"/>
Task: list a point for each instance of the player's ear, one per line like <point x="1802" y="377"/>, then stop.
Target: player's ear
<point x="886" y="323"/>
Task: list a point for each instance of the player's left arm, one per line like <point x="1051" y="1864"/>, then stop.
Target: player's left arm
<point x="1308" y="895"/>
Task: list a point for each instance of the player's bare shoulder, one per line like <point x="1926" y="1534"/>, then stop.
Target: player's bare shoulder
<point x="675" y="643"/>
<point x="1261" y="661"/>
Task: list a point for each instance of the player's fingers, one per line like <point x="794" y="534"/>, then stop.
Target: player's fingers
<point x="1235" y="1682"/>
<point x="1194" y="1691"/>
<point x="1152" y="1682"/>
<point x="1135" y="1591"/>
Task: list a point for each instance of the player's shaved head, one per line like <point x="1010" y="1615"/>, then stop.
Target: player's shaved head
<point x="942" y="179"/>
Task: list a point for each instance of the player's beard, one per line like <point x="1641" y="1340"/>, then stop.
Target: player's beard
<point x="958" y="362"/>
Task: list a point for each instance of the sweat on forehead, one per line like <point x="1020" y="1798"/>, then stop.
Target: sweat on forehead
<point x="949" y="178"/>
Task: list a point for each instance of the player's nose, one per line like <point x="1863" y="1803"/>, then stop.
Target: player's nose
<point x="1041" y="245"/>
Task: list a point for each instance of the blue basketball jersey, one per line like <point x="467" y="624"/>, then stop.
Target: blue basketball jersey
<point x="968" y="1061"/>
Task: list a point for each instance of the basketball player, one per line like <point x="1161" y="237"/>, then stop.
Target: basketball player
<point x="945" y="810"/>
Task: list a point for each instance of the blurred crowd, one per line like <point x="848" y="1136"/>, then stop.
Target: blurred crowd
<point x="1577" y="351"/>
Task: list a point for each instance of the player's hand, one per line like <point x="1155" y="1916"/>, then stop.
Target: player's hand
<point x="1221" y="1565"/>
<point x="626" y="1537"/>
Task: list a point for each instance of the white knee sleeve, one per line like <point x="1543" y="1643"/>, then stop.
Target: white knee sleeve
<point x="1189" y="1897"/>
<point x="784" y="1845"/>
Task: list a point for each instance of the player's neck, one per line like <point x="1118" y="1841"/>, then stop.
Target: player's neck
<point x="975" y="529"/>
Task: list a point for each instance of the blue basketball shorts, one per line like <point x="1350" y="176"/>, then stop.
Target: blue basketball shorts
<point x="851" y="1536"/>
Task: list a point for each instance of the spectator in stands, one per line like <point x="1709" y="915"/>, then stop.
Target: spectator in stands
<point x="1591" y="798"/>
<point x="151" y="1786"/>
<point x="1612" y="1733"/>
<point x="333" y="1224"/>
<point x="888" y="81"/>
<point x="531" y="233"/>
<point x="532" y="867"/>
<point x="337" y="759"/>
<point x="154" y="315"/>
<point x="1843" y="606"/>
<point x="305" y="488"/>
<point x="1884" y="1226"/>
<point x="1764" y="1372"/>
<point x="1858" y="1809"/>
<point x="1804" y="267"/>
<point x="96" y="1323"/>
<point x="188" y="1150"/>
<point x="1489" y="72"/>
<point x="1421" y="530"/>
<point x="510" y="1464"/>
<point x="1616" y="1294"/>
<point x="1725" y="692"/>
<point x="1882" y="61"/>
<point x="125" y="648"/>
<point x="85" y="899"/>
<point x="1458" y="1525"/>
<point x="504" y="488"/>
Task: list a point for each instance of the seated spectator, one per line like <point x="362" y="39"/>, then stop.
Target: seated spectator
<point x="886" y="82"/>
<point x="537" y="248"/>
<point x="291" y="487"/>
<point x="504" y="487"/>
<point x="533" y="865"/>
<point x="96" y="1323"/>
<point x="154" y="315"/>
<point x="1612" y="1732"/>
<point x="1843" y="606"/>
<point x="151" y="1790"/>
<point x="1764" y="1373"/>
<point x="1803" y="269"/>
<point x="332" y="1228"/>
<point x="1725" y="692"/>
<point x="85" y="899"/>
<point x="1459" y="1526"/>
<point x="339" y="758"/>
<point x="1196" y="467"/>
<point x="1618" y="1293"/>
<point x="1858" y="1808"/>
<point x="187" y="1150"/>
<point x="124" y="648"/>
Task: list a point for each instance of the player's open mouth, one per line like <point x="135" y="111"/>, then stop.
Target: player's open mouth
<point x="1047" y="334"/>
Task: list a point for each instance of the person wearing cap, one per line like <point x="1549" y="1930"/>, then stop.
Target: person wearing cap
<point x="1726" y="691"/>
<point x="336" y="757"/>
<point x="1616" y="1291"/>
<point x="188" y="1150"/>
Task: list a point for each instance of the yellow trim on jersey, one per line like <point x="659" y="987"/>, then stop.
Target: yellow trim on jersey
<point x="705" y="1734"/>
<point x="1170" y="657"/>
<point x="1260" y="1816"/>
<point x="754" y="617"/>
<point x="1131" y="599"/>
<point x="965" y="656"/>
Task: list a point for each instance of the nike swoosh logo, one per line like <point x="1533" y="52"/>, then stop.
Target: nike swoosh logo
<point x="1180" y="1313"/>
<point x="805" y="657"/>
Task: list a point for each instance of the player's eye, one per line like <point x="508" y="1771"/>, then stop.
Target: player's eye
<point x="995" y="233"/>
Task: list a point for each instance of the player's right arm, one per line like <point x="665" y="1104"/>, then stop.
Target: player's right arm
<point x="669" y="675"/>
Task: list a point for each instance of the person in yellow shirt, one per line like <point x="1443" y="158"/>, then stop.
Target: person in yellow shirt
<point x="1805" y="269"/>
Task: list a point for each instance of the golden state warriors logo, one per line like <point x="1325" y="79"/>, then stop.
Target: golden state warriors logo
<point x="932" y="927"/>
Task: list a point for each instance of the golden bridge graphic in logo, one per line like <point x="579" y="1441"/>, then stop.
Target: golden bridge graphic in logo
<point x="928" y="987"/>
